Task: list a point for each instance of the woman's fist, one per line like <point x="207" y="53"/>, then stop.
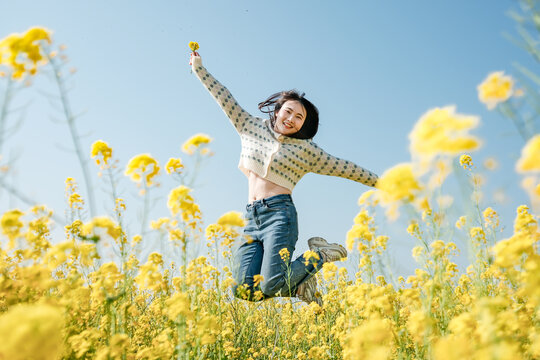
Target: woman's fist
<point x="194" y="57"/>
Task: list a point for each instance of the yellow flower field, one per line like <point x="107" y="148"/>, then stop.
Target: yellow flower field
<point x="59" y="298"/>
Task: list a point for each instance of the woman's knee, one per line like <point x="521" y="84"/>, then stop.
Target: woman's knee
<point x="270" y="288"/>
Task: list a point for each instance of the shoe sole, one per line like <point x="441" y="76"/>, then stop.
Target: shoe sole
<point x="319" y="242"/>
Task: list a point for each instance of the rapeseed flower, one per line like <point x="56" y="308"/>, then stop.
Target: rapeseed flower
<point x="150" y="277"/>
<point x="441" y="131"/>
<point x="174" y="166"/>
<point x="178" y="305"/>
<point x="193" y="45"/>
<point x="142" y="166"/>
<point x="257" y="279"/>
<point x="232" y="218"/>
<point x="419" y="325"/>
<point x="285" y="255"/>
<point x="308" y="255"/>
<point x="195" y="142"/>
<point x="509" y="252"/>
<point x="466" y="161"/>
<point x="92" y="230"/>
<point x="23" y="52"/>
<point x="362" y="229"/>
<point x="368" y="198"/>
<point x="102" y="152"/>
<point x="181" y="202"/>
<point x="396" y="185"/>
<point x="11" y="225"/>
<point x="32" y="331"/>
<point x="496" y="88"/>
<point x="530" y="156"/>
<point x="373" y="339"/>
<point x="491" y="217"/>
<point x="179" y="199"/>
<point x="453" y="347"/>
<point x="75" y="201"/>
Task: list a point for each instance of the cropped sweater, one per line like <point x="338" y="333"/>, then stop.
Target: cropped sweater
<point x="278" y="158"/>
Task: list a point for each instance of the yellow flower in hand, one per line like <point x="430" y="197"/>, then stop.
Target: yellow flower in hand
<point x="193" y="45"/>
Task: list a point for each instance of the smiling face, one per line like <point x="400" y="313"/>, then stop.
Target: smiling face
<point x="290" y="118"/>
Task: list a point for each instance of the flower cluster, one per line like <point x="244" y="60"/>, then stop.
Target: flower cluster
<point x="22" y="53"/>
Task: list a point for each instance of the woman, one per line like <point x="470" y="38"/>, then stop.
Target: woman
<point x="276" y="153"/>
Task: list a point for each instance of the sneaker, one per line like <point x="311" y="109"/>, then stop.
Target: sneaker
<point x="329" y="252"/>
<point x="307" y="291"/>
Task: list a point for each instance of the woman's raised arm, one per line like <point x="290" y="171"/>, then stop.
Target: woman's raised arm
<point x="226" y="101"/>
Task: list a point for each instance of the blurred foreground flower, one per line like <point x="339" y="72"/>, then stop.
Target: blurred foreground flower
<point x="140" y="166"/>
<point x="530" y="156"/>
<point x="373" y="339"/>
<point x="195" y="142"/>
<point x="91" y="230"/>
<point x="11" y="225"/>
<point x="441" y="131"/>
<point x="22" y="52"/>
<point x="32" y="332"/>
<point x="232" y="218"/>
<point x="397" y="184"/>
<point x="495" y="89"/>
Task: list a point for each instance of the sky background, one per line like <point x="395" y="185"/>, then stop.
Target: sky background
<point x="372" y="68"/>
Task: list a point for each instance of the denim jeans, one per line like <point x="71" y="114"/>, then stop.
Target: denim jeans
<point x="272" y="225"/>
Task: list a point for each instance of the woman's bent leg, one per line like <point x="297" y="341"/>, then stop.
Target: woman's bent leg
<point x="280" y="231"/>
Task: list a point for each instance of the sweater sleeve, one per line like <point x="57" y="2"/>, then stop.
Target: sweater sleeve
<point x="238" y="116"/>
<point x="326" y="164"/>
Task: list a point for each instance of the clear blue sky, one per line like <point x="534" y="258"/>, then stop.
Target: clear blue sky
<point x="372" y="68"/>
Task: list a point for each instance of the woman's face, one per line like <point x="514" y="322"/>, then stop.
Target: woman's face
<point x="290" y="118"/>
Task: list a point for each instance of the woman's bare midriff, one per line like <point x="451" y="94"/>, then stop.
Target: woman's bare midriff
<point x="260" y="188"/>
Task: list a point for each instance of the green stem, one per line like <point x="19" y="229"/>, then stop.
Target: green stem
<point x="123" y="240"/>
<point x="113" y="186"/>
<point x="184" y="262"/>
<point x="145" y="208"/>
<point x="74" y="135"/>
<point x="219" y="344"/>
<point x="508" y="110"/>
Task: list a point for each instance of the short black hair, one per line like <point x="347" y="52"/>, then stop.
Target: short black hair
<point x="275" y="102"/>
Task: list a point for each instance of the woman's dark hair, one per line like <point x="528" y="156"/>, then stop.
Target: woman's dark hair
<point x="275" y="102"/>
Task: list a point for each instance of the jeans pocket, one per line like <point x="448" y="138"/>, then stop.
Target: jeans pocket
<point x="279" y="206"/>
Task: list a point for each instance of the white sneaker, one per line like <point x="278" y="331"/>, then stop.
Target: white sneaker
<point x="329" y="252"/>
<point x="307" y="291"/>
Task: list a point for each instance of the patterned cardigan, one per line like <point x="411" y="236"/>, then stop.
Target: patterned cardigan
<point x="278" y="158"/>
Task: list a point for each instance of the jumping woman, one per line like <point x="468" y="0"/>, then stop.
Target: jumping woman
<point x="276" y="153"/>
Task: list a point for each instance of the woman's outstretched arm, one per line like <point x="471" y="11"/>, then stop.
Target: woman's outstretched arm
<point x="238" y="116"/>
<point x="326" y="164"/>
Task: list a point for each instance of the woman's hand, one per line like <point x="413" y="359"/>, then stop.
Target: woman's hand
<point x="194" y="56"/>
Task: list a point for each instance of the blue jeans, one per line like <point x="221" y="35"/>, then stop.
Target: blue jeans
<point x="272" y="225"/>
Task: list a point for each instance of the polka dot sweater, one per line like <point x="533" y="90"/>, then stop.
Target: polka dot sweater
<point x="278" y="158"/>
